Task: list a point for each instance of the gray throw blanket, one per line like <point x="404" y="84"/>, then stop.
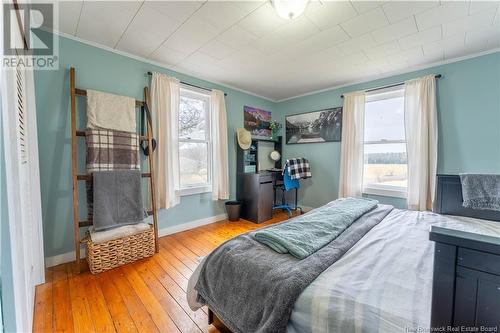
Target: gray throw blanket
<point x="308" y="233"/>
<point x="117" y="198"/>
<point x="252" y="288"/>
<point x="481" y="191"/>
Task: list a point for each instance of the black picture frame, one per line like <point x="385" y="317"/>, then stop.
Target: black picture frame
<point x="314" y="126"/>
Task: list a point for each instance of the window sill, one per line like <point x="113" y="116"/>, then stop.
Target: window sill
<point x="386" y="191"/>
<point x="195" y="190"/>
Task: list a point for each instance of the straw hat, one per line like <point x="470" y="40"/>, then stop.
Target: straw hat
<point x="244" y="138"/>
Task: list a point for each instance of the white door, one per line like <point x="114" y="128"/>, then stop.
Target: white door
<point x="23" y="190"/>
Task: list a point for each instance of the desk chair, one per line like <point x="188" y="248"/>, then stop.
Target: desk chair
<point x="287" y="185"/>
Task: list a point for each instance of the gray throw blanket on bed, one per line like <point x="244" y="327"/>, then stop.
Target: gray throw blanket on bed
<point x="309" y="233"/>
<point x="252" y="288"/>
<point x="117" y="198"/>
<point x="481" y="191"/>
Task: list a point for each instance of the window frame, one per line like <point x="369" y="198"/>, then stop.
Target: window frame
<point x="380" y="189"/>
<point x="191" y="92"/>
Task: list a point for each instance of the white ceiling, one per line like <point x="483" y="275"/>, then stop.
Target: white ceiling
<point x="244" y="44"/>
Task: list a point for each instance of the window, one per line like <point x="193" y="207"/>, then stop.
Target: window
<point x="194" y="142"/>
<point x="385" y="165"/>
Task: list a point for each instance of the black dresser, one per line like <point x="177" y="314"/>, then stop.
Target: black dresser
<point x="466" y="281"/>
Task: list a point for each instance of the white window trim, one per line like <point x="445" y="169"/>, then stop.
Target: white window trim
<point x="380" y="189"/>
<point x="202" y="187"/>
<point x="386" y="190"/>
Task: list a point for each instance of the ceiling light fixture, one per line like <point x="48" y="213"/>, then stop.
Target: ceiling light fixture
<point x="289" y="9"/>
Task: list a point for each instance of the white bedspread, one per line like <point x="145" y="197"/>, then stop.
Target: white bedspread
<point x="384" y="282"/>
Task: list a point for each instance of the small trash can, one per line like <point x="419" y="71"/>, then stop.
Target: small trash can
<point x="233" y="209"/>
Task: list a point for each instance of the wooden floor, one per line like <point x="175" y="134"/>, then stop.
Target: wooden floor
<point x="146" y="296"/>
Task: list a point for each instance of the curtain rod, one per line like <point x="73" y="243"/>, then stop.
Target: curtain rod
<point x="192" y="85"/>
<point x="391" y="85"/>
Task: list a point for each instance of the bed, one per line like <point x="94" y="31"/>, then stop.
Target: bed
<point x="383" y="283"/>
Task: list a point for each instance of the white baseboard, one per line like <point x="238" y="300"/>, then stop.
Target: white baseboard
<point x="70" y="256"/>
<point x="62" y="258"/>
<point x="190" y="225"/>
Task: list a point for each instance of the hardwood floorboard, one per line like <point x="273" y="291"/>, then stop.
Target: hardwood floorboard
<point x="145" y="296"/>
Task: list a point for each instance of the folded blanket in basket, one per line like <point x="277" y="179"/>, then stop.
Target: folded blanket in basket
<point x="117" y="198"/>
<point x="306" y="234"/>
<point x="481" y="191"/>
<point x="99" y="237"/>
<point x="109" y="150"/>
<point x="110" y="111"/>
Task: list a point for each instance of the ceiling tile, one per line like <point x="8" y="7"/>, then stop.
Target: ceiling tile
<point x="477" y="20"/>
<point x="139" y="42"/>
<point x="477" y="6"/>
<point x="236" y="37"/>
<point x="191" y="36"/>
<point x="357" y="44"/>
<point x="262" y="21"/>
<point x="217" y="49"/>
<point x="448" y="11"/>
<point x="221" y="14"/>
<point x="321" y="41"/>
<point x="297" y="30"/>
<point x="423" y="37"/>
<point x="366" y="22"/>
<point x="69" y="14"/>
<point x="249" y="6"/>
<point x="176" y="10"/>
<point x="448" y="45"/>
<point x="168" y="56"/>
<point x="150" y="20"/>
<point x="382" y="51"/>
<point x="394" y="31"/>
<point x="104" y="22"/>
<point x="364" y="6"/>
<point x="398" y="10"/>
<point x="330" y="13"/>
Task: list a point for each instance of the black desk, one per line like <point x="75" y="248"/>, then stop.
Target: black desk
<point x="255" y="191"/>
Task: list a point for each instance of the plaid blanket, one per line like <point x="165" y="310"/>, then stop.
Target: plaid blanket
<point x="109" y="150"/>
<point x="298" y="168"/>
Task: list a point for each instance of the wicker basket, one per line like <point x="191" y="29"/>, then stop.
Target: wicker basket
<point x="104" y="256"/>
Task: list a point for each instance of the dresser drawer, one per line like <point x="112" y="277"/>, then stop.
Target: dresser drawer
<point x="478" y="260"/>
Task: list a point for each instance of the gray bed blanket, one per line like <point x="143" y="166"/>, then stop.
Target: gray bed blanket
<point x="252" y="288"/>
<point x="117" y="198"/>
<point x="309" y="233"/>
<point x="481" y="191"/>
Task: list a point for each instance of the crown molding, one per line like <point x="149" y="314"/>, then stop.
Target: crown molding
<point x="159" y="64"/>
<point x="394" y="73"/>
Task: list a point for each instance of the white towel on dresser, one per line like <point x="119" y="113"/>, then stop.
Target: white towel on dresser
<point x="110" y="111"/>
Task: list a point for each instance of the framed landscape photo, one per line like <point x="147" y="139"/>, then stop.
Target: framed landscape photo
<point x="314" y="127"/>
<point x="257" y="121"/>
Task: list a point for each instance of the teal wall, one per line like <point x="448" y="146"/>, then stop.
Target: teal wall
<point x="468" y="111"/>
<point x="102" y="70"/>
<point x="468" y="97"/>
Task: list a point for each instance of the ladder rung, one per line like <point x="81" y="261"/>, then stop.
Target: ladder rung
<point x="84" y="223"/>
<point x="87" y="177"/>
<point x="82" y="133"/>
<point x="83" y="92"/>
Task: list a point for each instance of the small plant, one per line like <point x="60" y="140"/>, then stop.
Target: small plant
<point x="275" y="128"/>
<point x="274" y="125"/>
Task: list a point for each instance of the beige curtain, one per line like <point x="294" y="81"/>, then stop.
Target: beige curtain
<point x="351" y="155"/>
<point x="220" y="174"/>
<point x="165" y="98"/>
<point x="421" y="141"/>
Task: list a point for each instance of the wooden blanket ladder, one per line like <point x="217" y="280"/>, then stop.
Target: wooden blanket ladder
<point x="75" y="134"/>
